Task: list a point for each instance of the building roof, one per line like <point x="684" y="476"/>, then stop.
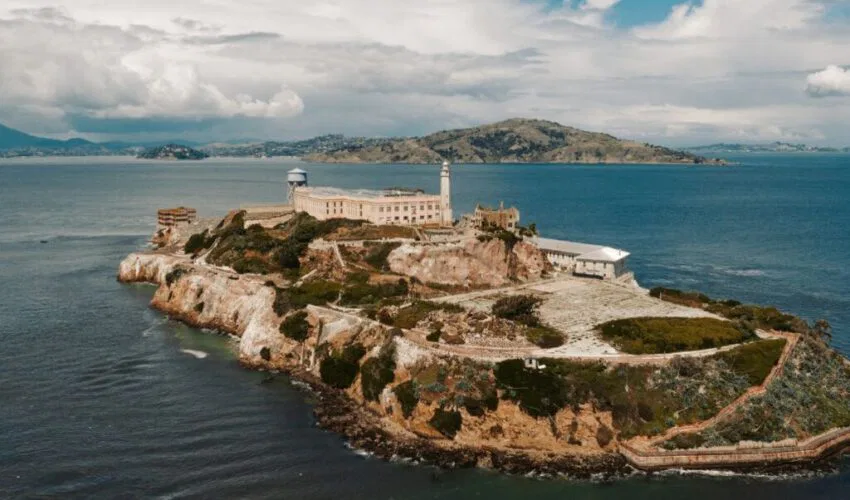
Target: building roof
<point x="296" y="170"/>
<point x="569" y="247"/>
<point x="605" y="254"/>
<point x="583" y="251"/>
<point x="363" y="194"/>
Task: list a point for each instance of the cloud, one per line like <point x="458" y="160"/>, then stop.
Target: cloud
<point x="719" y="69"/>
<point x="833" y="81"/>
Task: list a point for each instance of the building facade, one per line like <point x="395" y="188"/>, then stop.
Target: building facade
<point x="583" y="259"/>
<point x="505" y="218"/>
<point x="389" y="207"/>
<point x="168" y="217"/>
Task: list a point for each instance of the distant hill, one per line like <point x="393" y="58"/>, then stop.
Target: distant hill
<point x="773" y="147"/>
<point x="511" y="141"/>
<point x="15" y="139"/>
<point x="172" y="152"/>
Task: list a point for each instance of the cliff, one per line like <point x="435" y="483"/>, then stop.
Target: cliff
<point x="510" y="141"/>
<point x="470" y="263"/>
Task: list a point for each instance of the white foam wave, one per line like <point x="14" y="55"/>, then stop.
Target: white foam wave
<point x="197" y="354"/>
<point x="745" y="272"/>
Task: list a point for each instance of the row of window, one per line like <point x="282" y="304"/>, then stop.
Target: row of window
<point x="406" y="208"/>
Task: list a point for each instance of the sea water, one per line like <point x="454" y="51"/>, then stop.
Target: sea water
<point x="102" y="397"/>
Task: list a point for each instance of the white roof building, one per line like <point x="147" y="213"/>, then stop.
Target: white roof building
<point x="585" y="259"/>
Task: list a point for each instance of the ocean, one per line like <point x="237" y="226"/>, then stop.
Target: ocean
<point x="102" y="397"/>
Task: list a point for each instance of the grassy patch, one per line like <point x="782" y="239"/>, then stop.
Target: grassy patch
<point x="754" y="360"/>
<point x="663" y="335"/>
<point x="378" y="253"/>
<point x="408" y="317"/>
<point x="317" y="292"/>
<point x="545" y="337"/>
<point x="750" y="316"/>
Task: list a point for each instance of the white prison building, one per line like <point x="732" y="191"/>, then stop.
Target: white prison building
<point x="390" y="206"/>
<point x="584" y="259"/>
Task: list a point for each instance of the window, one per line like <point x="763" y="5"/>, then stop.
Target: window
<point x="406" y="208"/>
<point x="396" y="209"/>
<point x="380" y="209"/>
<point x="396" y="217"/>
<point x="430" y="207"/>
<point x="421" y="207"/>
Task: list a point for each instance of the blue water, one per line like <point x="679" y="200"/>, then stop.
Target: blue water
<point x="98" y="400"/>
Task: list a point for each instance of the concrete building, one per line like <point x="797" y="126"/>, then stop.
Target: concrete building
<point x="584" y="259"/>
<point x="167" y="217"/>
<point x="390" y="206"/>
<point x="505" y="218"/>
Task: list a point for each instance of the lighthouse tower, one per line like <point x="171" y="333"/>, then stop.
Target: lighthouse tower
<point x="446" y="217"/>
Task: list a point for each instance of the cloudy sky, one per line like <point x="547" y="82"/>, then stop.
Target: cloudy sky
<point x="665" y="71"/>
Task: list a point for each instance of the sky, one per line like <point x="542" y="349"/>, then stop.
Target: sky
<point x="670" y="72"/>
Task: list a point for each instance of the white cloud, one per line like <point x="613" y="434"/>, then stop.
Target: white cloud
<point x="833" y="81"/>
<point x="723" y="68"/>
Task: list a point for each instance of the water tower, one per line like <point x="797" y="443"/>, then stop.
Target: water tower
<point x="295" y="178"/>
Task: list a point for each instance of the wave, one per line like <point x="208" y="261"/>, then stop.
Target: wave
<point x="193" y="352"/>
<point x="744" y="272"/>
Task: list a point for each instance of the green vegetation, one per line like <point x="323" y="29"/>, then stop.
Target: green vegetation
<point x="198" y="242"/>
<point x="644" y="400"/>
<point x="545" y="337"/>
<point x="434" y="336"/>
<point x="448" y="422"/>
<point x="408" y="397"/>
<point x="519" y="308"/>
<point x="377" y="372"/>
<point x="523" y="309"/>
<point x="375" y="232"/>
<point x="663" y="335"/>
<point x="408" y="317"/>
<point x="808" y="397"/>
<point x="377" y="255"/>
<point x="318" y="292"/>
<point x="199" y="307"/>
<point x="754" y="360"/>
<point x="750" y="317"/>
<point x="295" y="326"/>
<point x="340" y="369"/>
<point x="174" y="275"/>
<point x="362" y="293"/>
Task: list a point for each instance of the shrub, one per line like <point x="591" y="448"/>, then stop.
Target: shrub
<point x="754" y="360"/>
<point x="377" y="372"/>
<point x="545" y="337"/>
<point x="447" y="422"/>
<point x="663" y="335"/>
<point x="604" y="435"/>
<point x="377" y="255"/>
<point x="340" y="370"/>
<point x="519" y="308"/>
<point x="199" y="307"/>
<point x="174" y="275"/>
<point x="684" y="442"/>
<point x="434" y="336"/>
<point x="196" y="243"/>
<point x="407" y="396"/>
<point x="408" y="317"/>
<point x="540" y="393"/>
<point x="295" y="326"/>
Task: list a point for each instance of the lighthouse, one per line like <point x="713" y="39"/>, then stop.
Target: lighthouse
<point x="446" y="218"/>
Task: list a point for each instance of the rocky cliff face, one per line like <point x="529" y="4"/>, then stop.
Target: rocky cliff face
<point x="210" y="297"/>
<point x="471" y="263"/>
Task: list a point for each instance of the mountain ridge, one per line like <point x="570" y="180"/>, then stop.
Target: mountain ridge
<point x="516" y="140"/>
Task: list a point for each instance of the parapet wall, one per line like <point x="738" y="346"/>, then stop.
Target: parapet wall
<point x="742" y="455"/>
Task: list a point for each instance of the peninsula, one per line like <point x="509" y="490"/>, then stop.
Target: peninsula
<point x="476" y="342"/>
<point x="172" y="152"/>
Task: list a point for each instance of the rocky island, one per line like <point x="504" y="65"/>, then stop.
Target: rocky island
<point x="516" y="140"/>
<point x="469" y="348"/>
<point x="477" y="342"/>
<point x="172" y="152"/>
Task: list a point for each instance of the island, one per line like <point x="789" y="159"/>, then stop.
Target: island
<point x="516" y="140"/>
<point x="476" y="342"/>
<point x="172" y="152"/>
